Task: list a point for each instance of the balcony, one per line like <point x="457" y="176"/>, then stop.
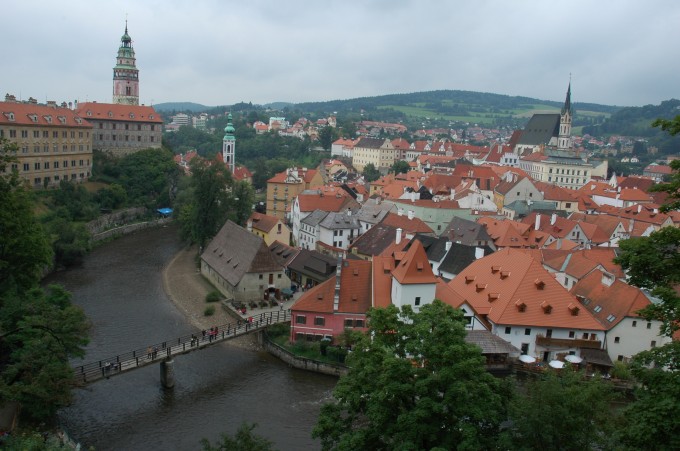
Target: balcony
<point x="568" y="342"/>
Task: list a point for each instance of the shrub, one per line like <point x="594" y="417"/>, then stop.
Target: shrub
<point x="209" y="310"/>
<point x="620" y="371"/>
<point x="213" y="296"/>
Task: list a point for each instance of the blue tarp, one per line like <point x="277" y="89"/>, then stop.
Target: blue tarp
<point x="165" y="211"/>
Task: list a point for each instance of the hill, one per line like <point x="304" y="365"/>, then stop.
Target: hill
<point x="180" y="106"/>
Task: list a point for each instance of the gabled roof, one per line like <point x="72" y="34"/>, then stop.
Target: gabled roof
<point x="555" y="193"/>
<point x="314" y="218"/>
<point x="283" y="253"/>
<point x="435" y="248"/>
<point x="13" y="113"/>
<point x="234" y="251"/>
<point x="369" y="143"/>
<point x="312" y="200"/>
<point x="465" y="232"/>
<point x="354" y="296"/>
<point x="118" y="112"/>
<point x="515" y="289"/>
<point x="263" y="222"/>
<point x="310" y="261"/>
<point x="540" y="129"/>
<point x="375" y="240"/>
<point x="460" y="257"/>
<point x="609" y="304"/>
<point x="414" y="267"/>
<point x="304" y="175"/>
<point x="414" y="225"/>
<point x="334" y="221"/>
<point x="382" y="280"/>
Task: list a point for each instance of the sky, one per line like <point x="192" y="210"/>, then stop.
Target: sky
<point x="220" y="52"/>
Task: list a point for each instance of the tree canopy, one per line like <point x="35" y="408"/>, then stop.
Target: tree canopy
<point x="243" y="440"/>
<point x="370" y="173"/>
<point x="414" y="383"/>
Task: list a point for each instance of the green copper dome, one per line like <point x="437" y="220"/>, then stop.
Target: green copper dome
<point x="229" y="129"/>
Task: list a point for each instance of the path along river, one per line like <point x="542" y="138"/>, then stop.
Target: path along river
<point x="120" y="289"/>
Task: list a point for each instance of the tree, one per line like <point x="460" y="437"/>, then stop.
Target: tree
<point x="672" y="126"/>
<point x="327" y="135"/>
<point x="207" y="206"/>
<point x="370" y="173"/>
<point x="242" y="198"/>
<point x="672" y="188"/>
<point x="653" y="419"/>
<point x="244" y="440"/>
<point x="562" y="411"/>
<point x="25" y="251"/>
<point x="414" y="383"/>
<point x="400" y="167"/>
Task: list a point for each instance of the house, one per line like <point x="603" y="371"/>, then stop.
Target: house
<point x="518" y="300"/>
<point x="372" y="212"/>
<point x="240" y="265"/>
<point x="514" y="187"/>
<point x="309" y="268"/>
<point x="616" y="305"/>
<point x="378" y="152"/>
<point x="409" y="223"/>
<point x="335" y="305"/>
<point x="458" y="257"/>
<point x="468" y="233"/>
<point x="328" y="199"/>
<point x="286" y="185"/>
<point x="376" y="240"/>
<point x="658" y="172"/>
<point x="270" y="228"/>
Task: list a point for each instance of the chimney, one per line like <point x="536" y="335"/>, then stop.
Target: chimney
<point x="479" y="253"/>
<point x="559" y="244"/>
<point x="397" y="240"/>
<point x="607" y="279"/>
<point x="448" y="246"/>
<point x="631" y="224"/>
<point x="553" y="219"/>
<point x="413" y="196"/>
<point x="400" y="212"/>
<point x="537" y="225"/>
<point x="639" y="208"/>
<point x="410" y="214"/>
<point x="249" y="225"/>
<point x="336" y="295"/>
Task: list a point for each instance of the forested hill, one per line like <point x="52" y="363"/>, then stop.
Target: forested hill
<point x="447" y="102"/>
<point x="636" y="121"/>
<point x="180" y="106"/>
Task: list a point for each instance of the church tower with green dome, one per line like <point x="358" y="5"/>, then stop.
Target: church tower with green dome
<point x="126" y="74"/>
<point x="229" y="146"/>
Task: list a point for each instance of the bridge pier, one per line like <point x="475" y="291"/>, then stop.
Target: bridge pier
<point x="168" y="373"/>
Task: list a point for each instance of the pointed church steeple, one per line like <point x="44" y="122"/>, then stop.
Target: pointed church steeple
<point x="567" y="102"/>
<point x="126" y="74"/>
<point x="564" y="142"/>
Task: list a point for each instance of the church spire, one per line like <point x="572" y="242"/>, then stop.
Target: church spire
<point x="125" y="73"/>
<point x="567" y="102"/>
<point x="229" y="145"/>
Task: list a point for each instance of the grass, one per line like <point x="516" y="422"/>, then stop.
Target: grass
<point x="280" y="334"/>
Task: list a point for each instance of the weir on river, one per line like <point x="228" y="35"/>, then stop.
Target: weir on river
<point x="164" y="351"/>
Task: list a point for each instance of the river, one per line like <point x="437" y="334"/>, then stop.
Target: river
<point x="119" y="286"/>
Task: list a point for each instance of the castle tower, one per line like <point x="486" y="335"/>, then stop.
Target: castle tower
<point x="564" y="139"/>
<point x="229" y="146"/>
<point x="126" y="74"/>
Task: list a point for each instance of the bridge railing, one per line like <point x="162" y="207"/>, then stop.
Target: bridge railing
<point x="155" y="352"/>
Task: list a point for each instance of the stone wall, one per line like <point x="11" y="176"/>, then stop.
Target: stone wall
<point x="301" y="362"/>
<point x="130" y="228"/>
<point x="113" y="220"/>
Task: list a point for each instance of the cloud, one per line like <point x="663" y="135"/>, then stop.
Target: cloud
<point x="215" y="52"/>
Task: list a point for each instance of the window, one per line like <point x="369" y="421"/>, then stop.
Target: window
<point x="319" y="321"/>
<point x="525" y="348"/>
<point x="508" y="329"/>
<point x="359" y="323"/>
<point x="417" y="300"/>
<point x="617" y="339"/>
<point x="597" y="309"/>
<point x="24" y="133"/>
<point x="26" y="167"/>
<point x="348" y="323"/>
<point x="653" y="344"/>
<point x="47" y="165"/>
<point x="572" y="334"/>
<point x="634" y="323"/>
<point x="548" y="333"/>
<point x="301" y="319"/>
<point x="649" y="325"/>
<point x="36" y="166"/>
<point x="56" y="165"/>
<point x="585" y="335"/>
<point x="527" y="331"/>
<point x="261" y="276"/>
<point x="611" y="318"/>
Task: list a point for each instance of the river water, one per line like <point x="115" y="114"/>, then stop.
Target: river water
<point x="120" y="288"/>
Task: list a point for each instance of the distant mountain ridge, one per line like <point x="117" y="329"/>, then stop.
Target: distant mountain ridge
<point x="181" y="106"/>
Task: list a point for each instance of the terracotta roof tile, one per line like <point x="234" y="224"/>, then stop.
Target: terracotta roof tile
<point x="118" y="112"/>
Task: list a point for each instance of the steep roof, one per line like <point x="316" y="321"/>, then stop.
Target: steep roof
<point x="466" y="232"/>
<point x="515" y="289"/>
<point x="609" y="299"/>
<point x="414" y="267"/>
<point x="413" y="225"/>
<point x="313" y="261"/>
<point x="13" y="113"/>
<point x="263" y="222"/>
<point x="354" y="296"/>
<point x="375" y="240"/>
<point x="312" y="200"/>
<point x="118" y="112"/>
<point x="540" y="129"/>
<point x="335" y="220"/>
<point x="283" y="253"/>
<point x="460" y="257"/>
<point x="435" y="247"/>
<point x="234" y="251"/>
<point x="370" y="143"/>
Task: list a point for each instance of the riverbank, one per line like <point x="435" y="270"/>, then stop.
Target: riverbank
<point x="187" y="288"/>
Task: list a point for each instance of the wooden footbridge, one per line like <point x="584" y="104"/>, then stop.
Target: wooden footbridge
<point x="164" y="352"/>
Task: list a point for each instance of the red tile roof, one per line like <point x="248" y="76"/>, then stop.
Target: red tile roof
<point x="305" y="175"/>
<point x="263" y="222"/>
<point x="414" y="267"/>
<point x="44" y="115"/>
<point x="515" y="289"/>
<point x="412" y="226"/>
<point x="320" y="201"/>
<point x="118" y="112"/>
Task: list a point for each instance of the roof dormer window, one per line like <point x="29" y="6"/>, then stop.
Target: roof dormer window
<point x="132" y="115"/>
<point x="33" y="117"/>
<point x="48" y="119"/>
<point x="10" y="116"/>
<point x="89" y="113"/>
<point x="78" y="120"/>
<point x="62" y="119"/>
<point x="521" y="306"/>
<point x="110" y="114"/>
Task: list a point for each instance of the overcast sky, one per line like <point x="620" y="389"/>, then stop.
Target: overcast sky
<point x="215" y="52"/>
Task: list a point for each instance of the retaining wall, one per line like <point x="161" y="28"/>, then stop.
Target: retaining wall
<point x="301" y="362"/>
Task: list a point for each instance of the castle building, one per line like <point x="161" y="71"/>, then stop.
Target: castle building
<point x="124" y="126"/>
<point x="125" y="73"/>
<point x="229" y="146"/>
<point x="52" y="142"/>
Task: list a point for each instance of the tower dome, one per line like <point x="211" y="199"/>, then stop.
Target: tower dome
<point x="125" y="73"/>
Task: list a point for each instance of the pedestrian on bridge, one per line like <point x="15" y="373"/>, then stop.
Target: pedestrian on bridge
<point x="155" y="352"/>
<point x="148" y="353"/>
